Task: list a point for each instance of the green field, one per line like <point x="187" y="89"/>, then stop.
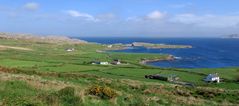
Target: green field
<point x="49" y="75"/>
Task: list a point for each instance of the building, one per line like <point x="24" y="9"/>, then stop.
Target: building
<point x="104" y="63"/>
<point x="116" y="62"/>
<point x="95" y="62"/>
<point x="70" y="49"/>
<point x="109" y="46"/>
<point x="100" y="63"/>
<point x="212" y="78"/>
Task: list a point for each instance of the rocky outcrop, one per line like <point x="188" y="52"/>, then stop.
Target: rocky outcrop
<point x="168" y="58"/>
<point x="159" y="46"/>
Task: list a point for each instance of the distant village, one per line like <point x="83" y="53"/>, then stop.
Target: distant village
<point x="114" y="62"/>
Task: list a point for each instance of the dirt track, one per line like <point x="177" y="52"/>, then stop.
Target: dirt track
<point x="2" y="47"/>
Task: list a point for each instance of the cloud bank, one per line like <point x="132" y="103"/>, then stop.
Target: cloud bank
<point x="154" y="23"/>
<point x="78" y="14"/>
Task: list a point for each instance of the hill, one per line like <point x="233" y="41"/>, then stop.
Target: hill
<point x="46" y="39"/>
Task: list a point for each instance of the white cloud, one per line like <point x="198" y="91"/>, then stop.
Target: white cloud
<point x="152" y="16"/>
<point x="31" y="6"/>
<point x="86" y="16"/>
<point x="214" y="21"/>
<point x="155" y="15"/>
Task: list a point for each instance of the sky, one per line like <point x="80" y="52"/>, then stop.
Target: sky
<point x="121" y="18"/>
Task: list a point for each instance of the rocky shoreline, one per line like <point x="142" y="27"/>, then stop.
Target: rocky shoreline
<point x="168" y="58"/>
<point x="146" y="45"/>
<point x="170" y="47"/>
<point x="159" y="46"/>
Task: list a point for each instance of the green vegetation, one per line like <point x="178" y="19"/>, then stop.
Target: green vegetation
<point x="49" y="75"/>
<point x="102" y="92"/>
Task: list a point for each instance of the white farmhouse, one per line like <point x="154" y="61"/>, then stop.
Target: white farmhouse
<point x="70" y="49"/>
<point x="104" y="63"/>
<point x="109" y="46"/>
<point x="212" y="78"/>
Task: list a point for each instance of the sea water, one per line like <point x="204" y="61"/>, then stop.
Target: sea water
<point x="206" y="52"/>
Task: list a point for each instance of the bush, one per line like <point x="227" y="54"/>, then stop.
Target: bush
<point x="207" y="93"/>
<point x="237" y="78"/>
<point x="63" y="97"/>
<point x="67" y="91"/>
<point x="67" y="95"/>
<point x="102" y="92"/>
<point x="52" y="99"/>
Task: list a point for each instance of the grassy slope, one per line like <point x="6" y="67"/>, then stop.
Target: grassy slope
<point x="127" y="80"/>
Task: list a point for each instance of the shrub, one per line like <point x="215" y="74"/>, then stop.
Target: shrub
<point x="67" y="95"/>
<point x="182" y="92"/>
<point x="52" y="99"/>
<point x="237" y="78"/>
<point x="207" y="93"/>
<point x="67" y="91"/>
<point x="102" y="92"/>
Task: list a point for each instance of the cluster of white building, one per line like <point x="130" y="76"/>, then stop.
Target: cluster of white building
<point x="115" y="62"/>
<point x="212" y="78"/>
<point x="70" y="49"/>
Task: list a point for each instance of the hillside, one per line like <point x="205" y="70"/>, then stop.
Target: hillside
<point x="40" y="71"/>
<point x="40" y="39"/>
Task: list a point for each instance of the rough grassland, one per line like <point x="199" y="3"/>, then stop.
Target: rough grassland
<point x="49" y="75"/>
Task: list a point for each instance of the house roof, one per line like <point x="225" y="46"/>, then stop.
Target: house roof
<point x="212" y="75"/>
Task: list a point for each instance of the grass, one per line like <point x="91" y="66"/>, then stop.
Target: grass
<point x="70" y="68"/>
<point x="17" y="93"/>
<point x="48" y="70"/>
<point x="227" y="73"/>
<point x="21" y="63"/>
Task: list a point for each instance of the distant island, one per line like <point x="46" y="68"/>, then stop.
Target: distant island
<point x="236" y="36"/>
<point x="160" y="46"/>
<point x="146" y="45"/>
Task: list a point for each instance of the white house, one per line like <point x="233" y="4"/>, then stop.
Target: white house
<point x="109" y="46"/>
<point x="104" y="63"/>
<point x="70" y="49"/>
<point x="212" y="78"/>
<point x="95" y="62"/>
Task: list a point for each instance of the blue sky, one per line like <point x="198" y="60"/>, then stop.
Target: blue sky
<point x="121" y="18"/>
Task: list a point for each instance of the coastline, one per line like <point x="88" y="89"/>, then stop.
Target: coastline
<point x="168" y="58"/>
<point x="169" y="47"/>
<point x="145" y="45"/>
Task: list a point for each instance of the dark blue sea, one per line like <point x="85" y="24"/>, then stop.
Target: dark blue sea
<point x="206" y="52"/>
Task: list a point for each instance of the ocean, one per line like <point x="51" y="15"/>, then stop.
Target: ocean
<point x="206" y="52"/>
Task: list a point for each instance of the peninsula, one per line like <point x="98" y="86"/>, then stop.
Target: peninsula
<point x="146" y="45"/>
